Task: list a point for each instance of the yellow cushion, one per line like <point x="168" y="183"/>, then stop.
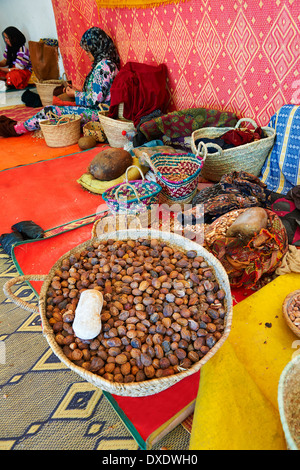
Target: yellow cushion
<point x="236" y="406"/>
<point x="99" y="187"/>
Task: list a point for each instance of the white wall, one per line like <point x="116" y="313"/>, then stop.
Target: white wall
<point x="35" y="18"/>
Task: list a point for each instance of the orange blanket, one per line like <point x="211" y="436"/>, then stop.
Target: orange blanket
<point x="15" y="151"/>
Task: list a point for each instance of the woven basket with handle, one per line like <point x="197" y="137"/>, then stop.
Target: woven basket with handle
<point x="137" y="193"/>
<point x="61" y="131"/>
<point x="114" y="128"/>
<point x="94" y="128"/>
<point x="248" y="157"/>
<point x="133" y="389"/>
<point x="177" y="174"/>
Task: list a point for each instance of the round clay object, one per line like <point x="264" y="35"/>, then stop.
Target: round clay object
<point x="110" y="164"/>
<point x="87" y="142"/>
<point x="248" y="223"/>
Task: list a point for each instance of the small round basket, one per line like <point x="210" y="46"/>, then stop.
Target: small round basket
<point x="291" y="302"/>
<point x="94" y="129"/>
<point x="289" y="402"/>
<point x="177" y="174"/>
<point x="45" y="90"/>
<point x="61" y="131"/>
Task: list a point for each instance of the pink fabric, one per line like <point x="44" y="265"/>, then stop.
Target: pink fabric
<point x="231" y="55"/>
<point x="20" y="128"/>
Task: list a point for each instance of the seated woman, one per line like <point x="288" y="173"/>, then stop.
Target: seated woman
<point x="15" y="68"/>
<point x="96" y="89"/>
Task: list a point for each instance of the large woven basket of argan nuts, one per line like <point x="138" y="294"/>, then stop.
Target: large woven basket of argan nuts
<point x="167" y="309"/>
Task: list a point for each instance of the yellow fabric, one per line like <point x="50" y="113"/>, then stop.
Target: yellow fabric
<point x="236" y="406"/>
<point x="33" y="79"/>
<point x="134" y="3"/>
<point x="99" y="187"/>
<point x="290" y="262"/>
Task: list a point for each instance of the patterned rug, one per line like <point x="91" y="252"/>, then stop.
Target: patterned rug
<point x="19" y="112"/>
<point x="43" y="404"/>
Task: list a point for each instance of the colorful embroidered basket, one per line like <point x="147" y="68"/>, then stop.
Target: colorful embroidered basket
<point x="132" y="197"/>
<point x="177" y="174"/>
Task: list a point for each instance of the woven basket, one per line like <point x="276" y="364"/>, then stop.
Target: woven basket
<point x="288" y="404"/>
<point x="94" y="128"/>
<point x="133" y="389"/>
<point x="61" y="131"/>
<point x="45" y="90"/>
<point x="137" y="193"/>
<point x="285" y="310"/>
<point x="249" y="157"/>
<point x="166" y="165"/>
<point x="113" y="129"/>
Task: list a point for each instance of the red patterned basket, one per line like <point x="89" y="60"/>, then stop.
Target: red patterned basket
<point x="177" y="174"/>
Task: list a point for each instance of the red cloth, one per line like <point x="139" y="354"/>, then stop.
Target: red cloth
<point x="142" y="89"/>
<point x="238" y="137"/>
<point x="19" y="78"/>
<point x="58" y="102"/>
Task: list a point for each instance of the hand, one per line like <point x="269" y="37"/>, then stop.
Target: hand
<point x="70" y="92"/>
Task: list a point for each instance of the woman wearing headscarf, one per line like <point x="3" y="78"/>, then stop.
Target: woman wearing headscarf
<point x="96" y="89"/>
<point x="15" y="68"/>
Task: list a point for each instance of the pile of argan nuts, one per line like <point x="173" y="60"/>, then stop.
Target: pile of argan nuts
<point x="294" y="311"/>
<point x="163" y="308"/>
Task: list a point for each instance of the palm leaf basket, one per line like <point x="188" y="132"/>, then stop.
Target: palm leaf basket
<point x="248" y="157"/>
<point x="114" y="128"/>
<point x="45" y="90"/>
<point x="61" y="131"/>
<point x="94" y="128"/>
<point x="132" y="389"/>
